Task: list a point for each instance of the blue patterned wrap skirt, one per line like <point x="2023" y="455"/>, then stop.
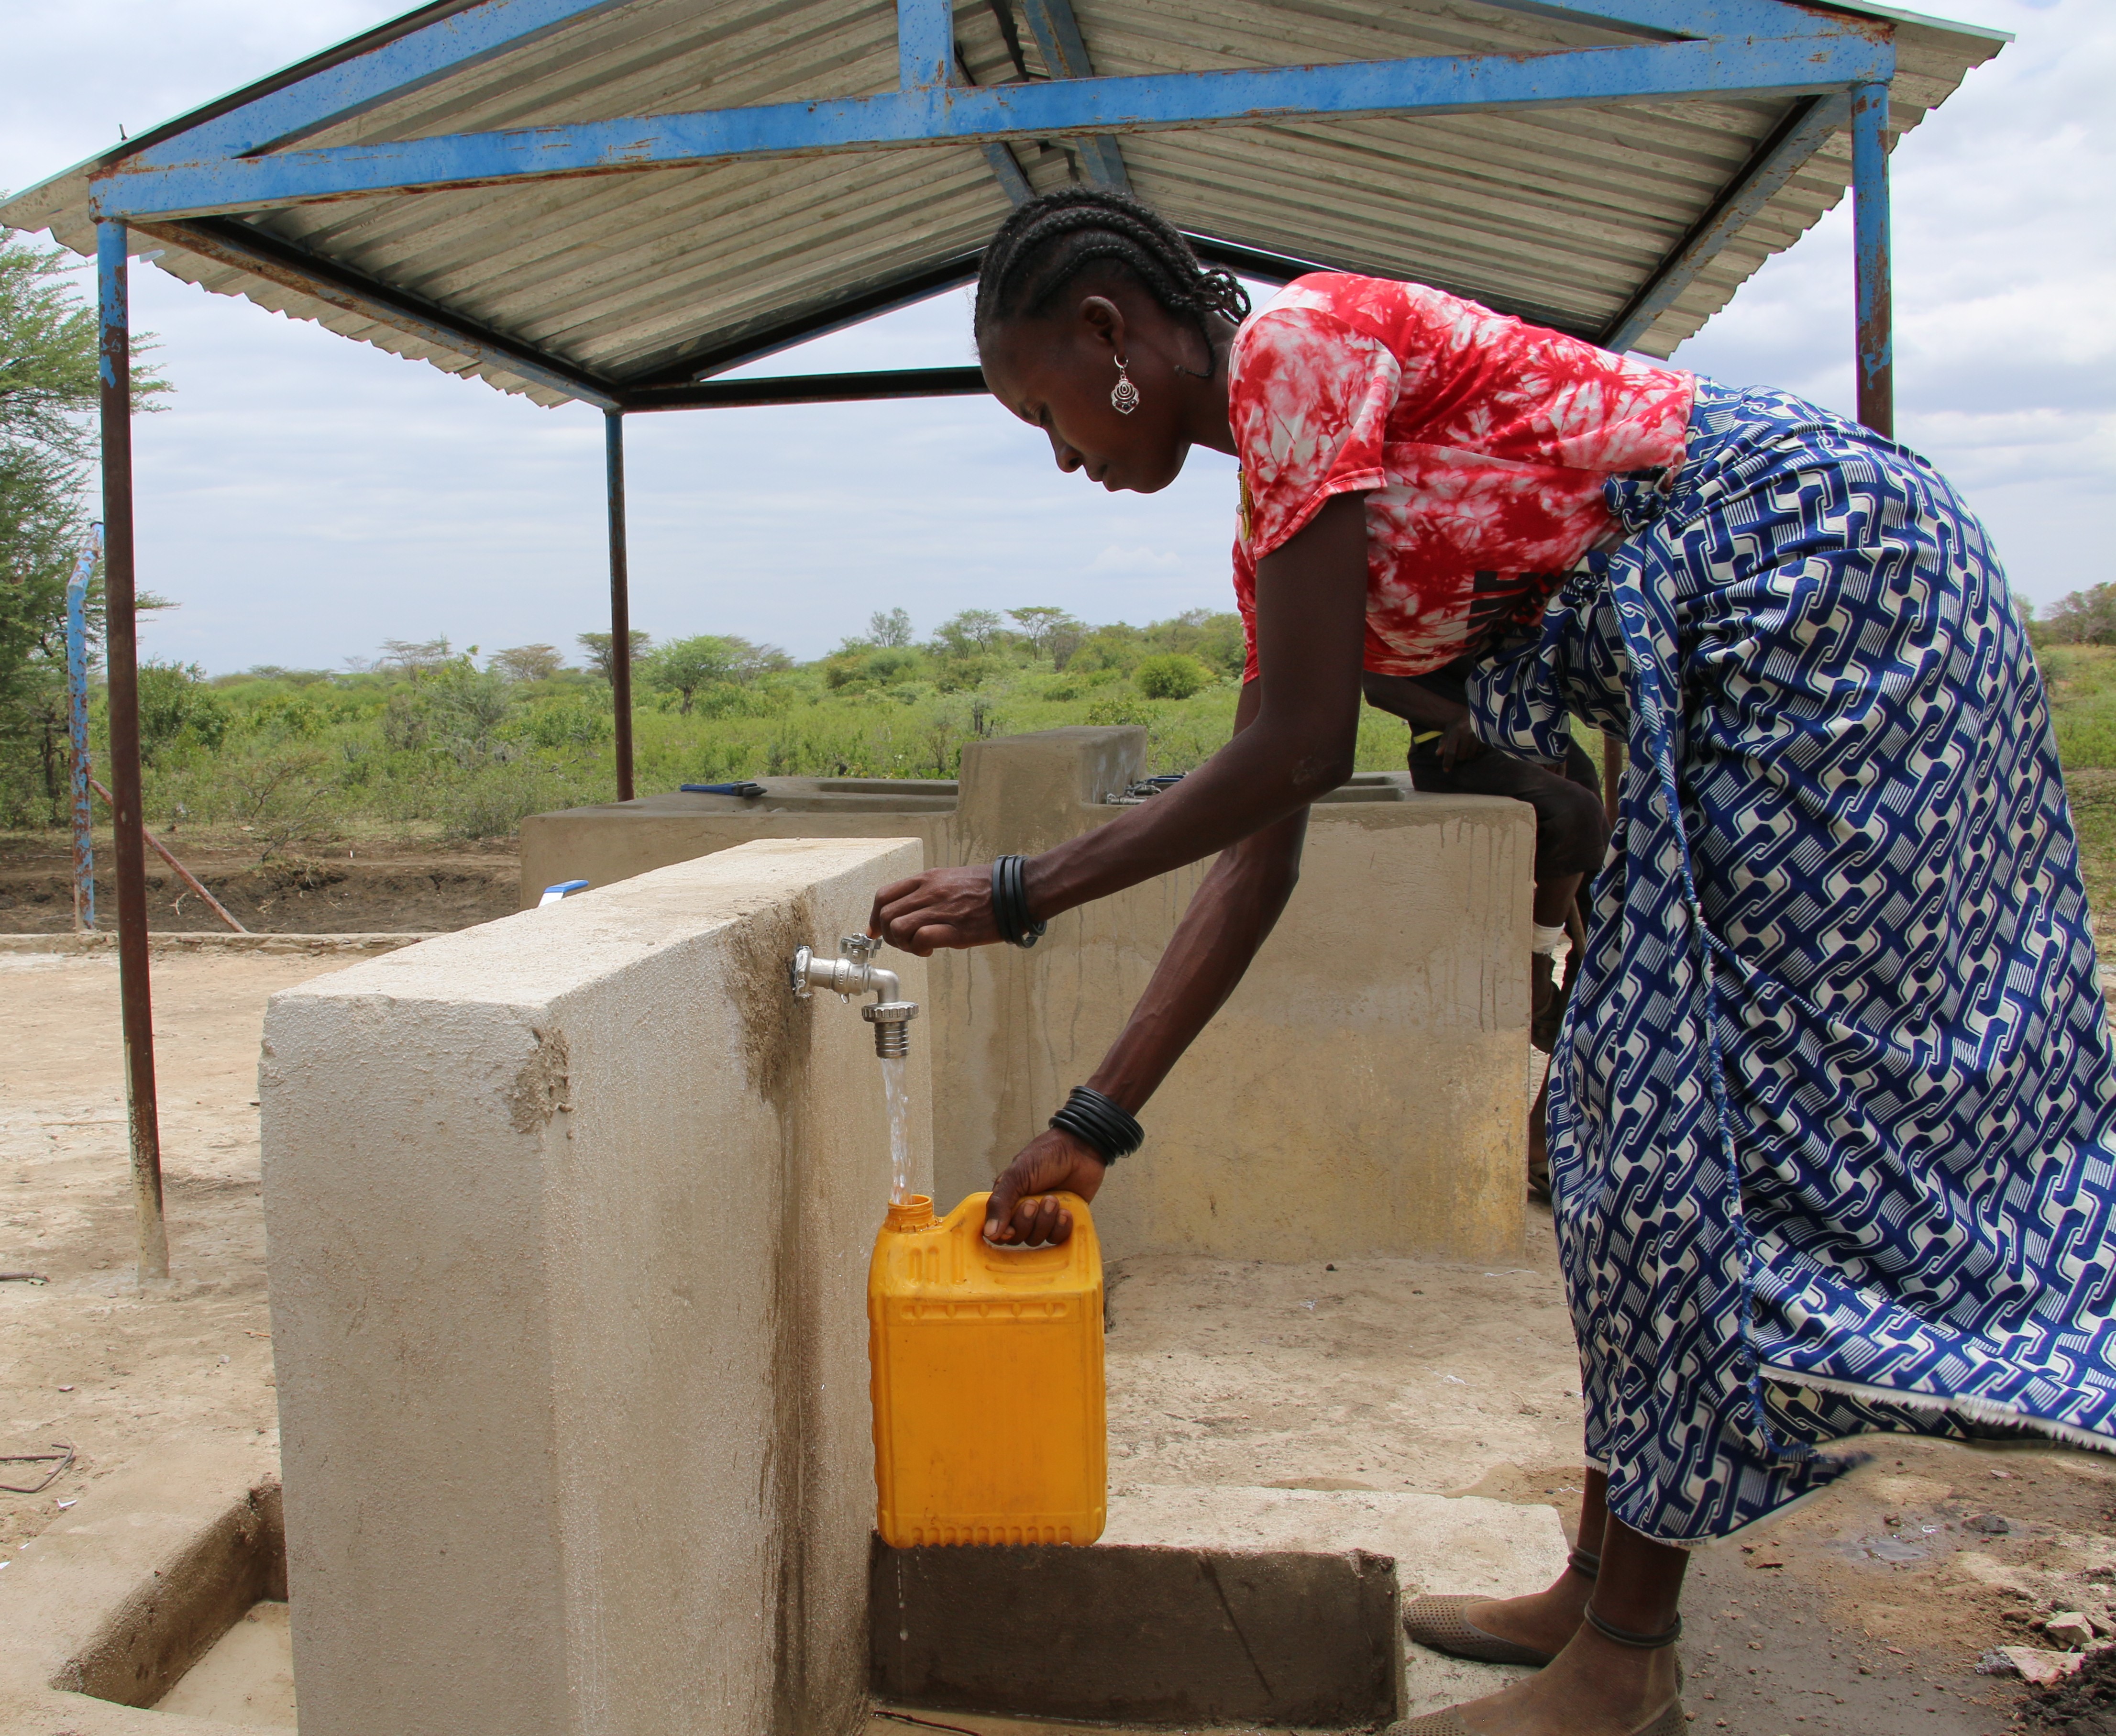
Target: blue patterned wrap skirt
<point x="1832" y="1117"/>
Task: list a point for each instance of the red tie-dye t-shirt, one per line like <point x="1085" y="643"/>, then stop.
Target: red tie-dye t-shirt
<point x="1481" y="444"/>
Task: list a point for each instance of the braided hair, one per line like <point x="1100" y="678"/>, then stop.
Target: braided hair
<point x="1049" y="242"/>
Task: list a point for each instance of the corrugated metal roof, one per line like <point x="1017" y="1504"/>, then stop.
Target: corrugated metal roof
<point x="1564" y="214"/>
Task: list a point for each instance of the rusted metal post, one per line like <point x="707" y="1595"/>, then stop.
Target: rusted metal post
<point x="620" y="603"/>
<point x="122" y="651"/>
<point x="77" y="651"/>
<point x="1873" y="250"/>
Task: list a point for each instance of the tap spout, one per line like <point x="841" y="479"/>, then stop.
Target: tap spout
<point x="853" y="972"/>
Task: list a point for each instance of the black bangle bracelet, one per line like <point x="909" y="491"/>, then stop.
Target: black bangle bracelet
<point x="1010" y="897"/>
<point x="1106" y="1128"/>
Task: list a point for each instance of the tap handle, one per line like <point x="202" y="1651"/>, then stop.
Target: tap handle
<point x="859" y="948"/>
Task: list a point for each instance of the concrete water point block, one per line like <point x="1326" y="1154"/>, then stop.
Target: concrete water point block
<point x="569" y="1218"/>
<point x="1364" y="1091"/>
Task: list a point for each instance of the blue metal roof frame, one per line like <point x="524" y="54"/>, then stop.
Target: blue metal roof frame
<point x="190" y="177"/>
<point x="305" y="191"/>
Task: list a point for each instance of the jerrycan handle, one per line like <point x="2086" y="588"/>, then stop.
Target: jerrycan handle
<point x="1072" y="1202"/>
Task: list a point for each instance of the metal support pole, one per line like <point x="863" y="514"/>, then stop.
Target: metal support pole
<point x="122" y="650"/>
<point x="925" y="41"/>
<point x="1873" y="251"/>
<point x="1614" y="753"/>
<point x="620" y="603"/>
<point x="77" y="652"/>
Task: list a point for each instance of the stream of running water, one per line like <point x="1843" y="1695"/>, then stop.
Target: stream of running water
<point x="900" y="1130"/>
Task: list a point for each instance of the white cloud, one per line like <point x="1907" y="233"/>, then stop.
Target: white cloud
<point x="2004" y="254"/>
<point x="1114" y="559"/>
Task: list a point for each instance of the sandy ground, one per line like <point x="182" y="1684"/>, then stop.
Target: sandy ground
<point x="1365" y="1374"/>
<point x="88" y="1357"/>
<point x="1865" y="1611"/>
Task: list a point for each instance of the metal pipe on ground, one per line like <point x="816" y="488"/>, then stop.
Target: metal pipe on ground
<point x="114" y="346"/>
<point x="182" y="873"/>
<point x="76" y="656"/>
<point x="620" y="603"/>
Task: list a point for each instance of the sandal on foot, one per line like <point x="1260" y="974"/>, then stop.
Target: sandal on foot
<point x="1670" y="1720"/>
<point x="1443" y="1624"/>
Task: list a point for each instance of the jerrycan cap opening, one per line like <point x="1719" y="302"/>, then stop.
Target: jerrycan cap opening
<point x="914" y="1214"/>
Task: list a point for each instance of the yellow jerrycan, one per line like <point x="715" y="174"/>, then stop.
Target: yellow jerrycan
<point x="989" y="1418"/>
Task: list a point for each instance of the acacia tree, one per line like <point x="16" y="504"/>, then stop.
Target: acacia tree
<point x="890" y="628"/>
<point x="1040" y="623"/>
<point x="684" y="666"/>
<point x="2083" y="618"/>
<point x="598" y="646"/>
<point x="966" y="634"/>
<point x="48" y="388"/>
<point x="415" y="658"/>
<point x="529" y="662"/>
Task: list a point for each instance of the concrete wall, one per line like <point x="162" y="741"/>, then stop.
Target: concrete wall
<point x="568" y="1219"/>
<point x="1362" y="1093"/>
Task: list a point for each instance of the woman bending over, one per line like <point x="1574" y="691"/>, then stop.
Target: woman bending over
<point x="1831" y="1110"/>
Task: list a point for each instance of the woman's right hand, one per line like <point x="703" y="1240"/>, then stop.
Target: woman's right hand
<point x="1021" y="1212"/>
<point x="942" y="907"/>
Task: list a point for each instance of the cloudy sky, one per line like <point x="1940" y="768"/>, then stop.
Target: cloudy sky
<point x="306" y="498"/>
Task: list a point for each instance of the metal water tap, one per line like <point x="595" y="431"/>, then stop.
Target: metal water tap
<point x="853" y="972"/>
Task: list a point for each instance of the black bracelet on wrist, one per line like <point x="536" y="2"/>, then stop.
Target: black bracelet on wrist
<point x="1009" y="897"/>
<point x="1106" y="1127"/>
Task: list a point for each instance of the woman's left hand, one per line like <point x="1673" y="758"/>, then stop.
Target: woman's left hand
<point x="1024" y="1210"/>
<point x="1459" y="744"/>
<point x="942" y="907"/>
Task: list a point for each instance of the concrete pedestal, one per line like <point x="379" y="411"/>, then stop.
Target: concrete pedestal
<point x="569" y="1218"/>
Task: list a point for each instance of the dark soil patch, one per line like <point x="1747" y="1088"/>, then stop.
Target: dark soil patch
<point x="360" y="890"/>
<point x="2085" y="1706"/>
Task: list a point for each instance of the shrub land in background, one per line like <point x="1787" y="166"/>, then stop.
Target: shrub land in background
<point x="427" y="741"/>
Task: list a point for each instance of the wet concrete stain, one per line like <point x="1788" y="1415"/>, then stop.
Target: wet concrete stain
<point x="539" y="1089"/>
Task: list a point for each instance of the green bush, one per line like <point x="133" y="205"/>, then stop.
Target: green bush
<point x="1124" y="709"/>
<point x="1171" y="675"/>
<point x="284" y="714"/>
<point x="494" y="800"/>
<point x="871" y="665"/>
<point x="1114" y="650"/>
<point x="567" y="723"/>
<point x="963" y="674"/>
<point x="177" y="710"/>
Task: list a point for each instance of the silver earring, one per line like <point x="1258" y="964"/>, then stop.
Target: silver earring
<point x="1124" y="395"/>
